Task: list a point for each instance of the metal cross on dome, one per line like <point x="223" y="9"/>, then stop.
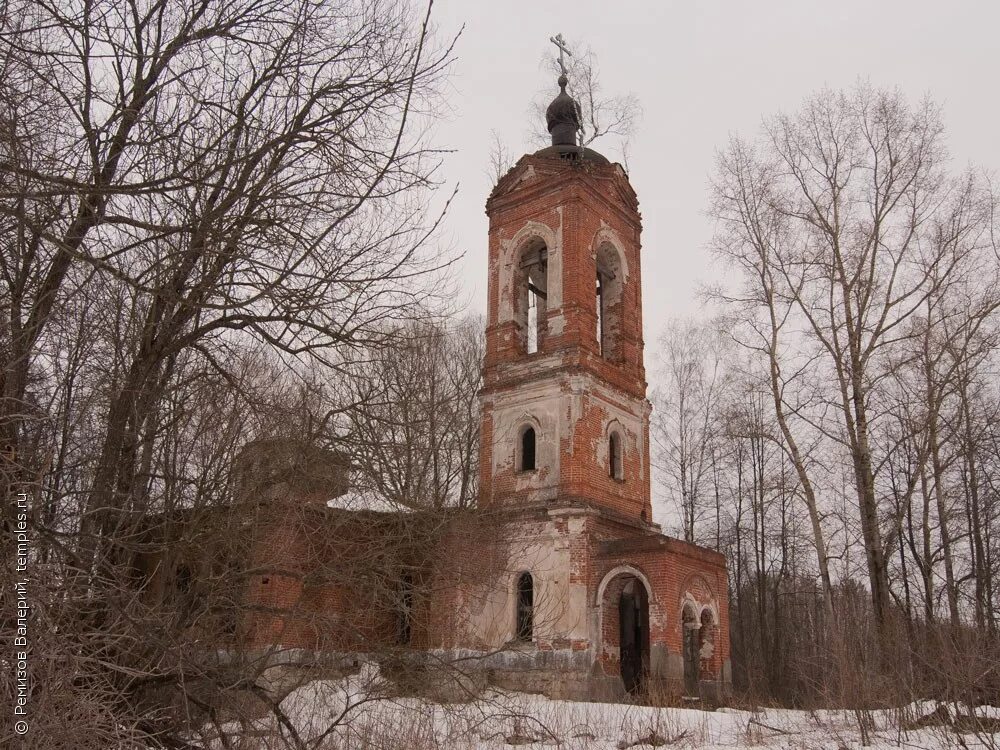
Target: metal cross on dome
<point x="561" y="44"/>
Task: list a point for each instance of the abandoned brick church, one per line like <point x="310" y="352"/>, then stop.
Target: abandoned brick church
<point x="559" y="582"/>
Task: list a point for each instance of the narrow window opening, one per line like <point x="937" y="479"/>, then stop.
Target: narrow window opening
<point x="528" y="449"/>
<point x="228" y="612"/>
<point x="525" y="607"/>
<point x="600" y="312"/>
<point x="614" y="456"/>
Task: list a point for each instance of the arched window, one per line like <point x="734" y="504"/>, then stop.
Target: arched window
<point x="599" y="304"/>
<point x="615" y="456"/>
<point x="184" y="578"/>
<point x="527" y="462"/>
<point x="608" y="302"/>
<point x="532" y="295"/>
<point x="525" y="606"/>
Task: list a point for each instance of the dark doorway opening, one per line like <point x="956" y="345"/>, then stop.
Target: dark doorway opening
<point x="633" y="635"/>
<point x="692" y="648"/>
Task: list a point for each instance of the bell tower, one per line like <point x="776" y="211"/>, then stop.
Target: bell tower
<point x="565" y="415"/>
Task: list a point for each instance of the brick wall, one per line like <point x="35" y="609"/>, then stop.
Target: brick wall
<point x="328" y="579"/>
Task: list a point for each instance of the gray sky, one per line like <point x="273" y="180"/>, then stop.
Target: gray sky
<point x="702" y="69"/>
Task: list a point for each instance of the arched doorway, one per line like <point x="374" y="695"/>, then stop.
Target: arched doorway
<point x="624" y="602"/>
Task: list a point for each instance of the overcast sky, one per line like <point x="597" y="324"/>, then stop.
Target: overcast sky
<point x="702" y="69"/>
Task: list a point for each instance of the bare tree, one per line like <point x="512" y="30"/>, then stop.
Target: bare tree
<point x="854" y="225"/>
<point x="414" y="426"/>
<point x="501" y="159"/>
<point x="686" y="415"/>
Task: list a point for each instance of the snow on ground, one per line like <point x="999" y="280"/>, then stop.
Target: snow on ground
<point x="351" y="717"/>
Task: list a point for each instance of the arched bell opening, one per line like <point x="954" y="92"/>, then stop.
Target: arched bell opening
<point x="608" y="301"/>
<point x="531" y="295"/>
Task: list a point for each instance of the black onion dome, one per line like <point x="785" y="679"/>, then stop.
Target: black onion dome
<point x="563" y="120"/>
<point x="563" y="117"/>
